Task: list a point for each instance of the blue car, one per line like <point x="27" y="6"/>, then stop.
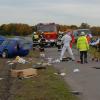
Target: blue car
<point x="15" y="46"/>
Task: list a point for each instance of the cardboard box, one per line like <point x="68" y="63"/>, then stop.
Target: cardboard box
<point x="24" y="73"/>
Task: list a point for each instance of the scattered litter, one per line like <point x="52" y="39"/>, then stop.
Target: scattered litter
<point x="11" y="63"/>
<point x="96" y="67"/>
<point x="56" y="73"/>
<point x="28" y="77"/>
<point x="20" y="60"/>
<point x="49" y="64"/>
<point x="46" y="64"/>
<point x="42" y="55"/>
<point x="39" y="63"/>
<point x="76" y="92"/>
<point x="49" y="60"/>
<point x="30" y="59"/>
<point x="8" y="61"/>
<point x="1" y="79"/>
<point x="76" y="70"/>
<point x="78" y="61"/>
<point x="56" y="61"/>
<point x="66" y="59"/>
<point x="39" y="67"/>
<point x="62" y="74"/>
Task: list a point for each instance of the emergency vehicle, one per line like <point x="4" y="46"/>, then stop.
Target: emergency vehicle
<point x="49" y="30"/>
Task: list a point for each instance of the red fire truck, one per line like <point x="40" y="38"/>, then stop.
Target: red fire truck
<point x="49" y="31"/>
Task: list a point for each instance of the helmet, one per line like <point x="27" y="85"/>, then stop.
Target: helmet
<point x="34" y="32"/>
<point x="82" y="33"/>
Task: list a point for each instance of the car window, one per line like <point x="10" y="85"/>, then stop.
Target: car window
<point x="24" y="42"/>
<point x="26" y="46"/>
<point x="5" y="42"/>
<point x="1" y="42"/>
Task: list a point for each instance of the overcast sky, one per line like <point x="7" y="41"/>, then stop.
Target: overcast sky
<point x="59" y="11"/>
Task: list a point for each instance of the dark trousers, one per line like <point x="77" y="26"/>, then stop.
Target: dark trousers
<point x="83" y="56"/>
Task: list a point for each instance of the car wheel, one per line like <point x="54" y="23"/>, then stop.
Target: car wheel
<point x="5" y="54"/>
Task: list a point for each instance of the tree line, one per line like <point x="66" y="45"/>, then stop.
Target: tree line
<point x="15" y="29"/>
<point x="25" y="29"/>
<point x="95" y="30"/>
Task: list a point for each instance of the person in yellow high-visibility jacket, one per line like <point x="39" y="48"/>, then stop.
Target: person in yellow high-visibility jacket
<point x="83" y="46"/>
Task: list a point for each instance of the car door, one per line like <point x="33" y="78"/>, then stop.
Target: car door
<point x="12" y="47"/>
<point x="3" y="46"/>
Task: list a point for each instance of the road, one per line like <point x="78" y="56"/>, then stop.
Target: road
<point x="86" y="80"/>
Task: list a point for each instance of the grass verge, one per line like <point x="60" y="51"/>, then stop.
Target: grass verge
<point x="94" y="52"/>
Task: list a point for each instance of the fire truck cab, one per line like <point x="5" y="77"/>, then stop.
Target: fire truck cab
<point x="49" y="31"/>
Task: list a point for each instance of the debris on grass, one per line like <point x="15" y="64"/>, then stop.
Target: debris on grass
<point x="49" y="60"/>
<point x="11" y="63"/>
<point x="45" y="64"/>
<point x="56" y="61"/>
<point x="41" y="65"/>
<point x="30" y="59"/>
<point x="20" y="60"/>
<point x="56" y="73"/>
<point x="62" y="74"/>
<point x="78" y="61"/>
<point x="76" y="70"/>
<point x="24" y="73"/>
<point x="42" y="55"/>
<point x="8" y="61"/>
<point x="76" y="92"/>
<point x="66" y="59"/>
<point x="1" y="79"/>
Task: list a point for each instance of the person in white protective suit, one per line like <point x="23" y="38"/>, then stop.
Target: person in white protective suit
<point x="66" y="39"/>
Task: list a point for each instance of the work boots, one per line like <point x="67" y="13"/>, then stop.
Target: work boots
<point x="81" y="60"/>
<point x="85" y="60"/>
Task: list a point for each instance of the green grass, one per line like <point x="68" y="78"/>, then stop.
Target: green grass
<point x="94" y="52"/>
<point x="45" y="86"/>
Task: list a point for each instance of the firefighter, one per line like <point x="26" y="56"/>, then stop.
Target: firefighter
<point x="59" y="43"/>
<point x="35" y="37"/>
<point x="42" y="42"/>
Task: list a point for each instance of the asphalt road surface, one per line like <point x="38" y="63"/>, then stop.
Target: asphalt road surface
<point x="86" y="80"/>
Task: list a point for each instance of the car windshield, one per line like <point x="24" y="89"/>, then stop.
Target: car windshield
<point x="77" y="32"/>
<point x="85" y="31"/>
